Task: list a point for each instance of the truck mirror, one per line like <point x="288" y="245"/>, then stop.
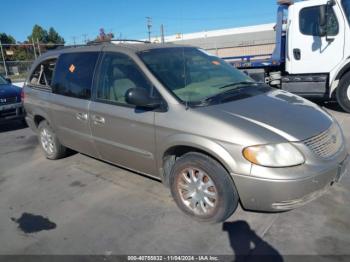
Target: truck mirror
<point x="322" y="23"/>
<point x="331" y="3"/>
<point x="323" y="16"/>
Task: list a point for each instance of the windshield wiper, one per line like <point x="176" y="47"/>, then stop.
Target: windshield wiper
<point x="238" y="84"/>
<point x="230" y="92"/>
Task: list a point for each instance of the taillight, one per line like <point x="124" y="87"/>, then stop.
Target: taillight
<point x="22" y="95"/>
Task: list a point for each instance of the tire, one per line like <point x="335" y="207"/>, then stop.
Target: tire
<point x="194" y="180"/>
<point x="24" y="122"/>
<point x="343" y="92"/>
<point x="49" y="142"/>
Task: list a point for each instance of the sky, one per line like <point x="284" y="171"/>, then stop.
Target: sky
<point x="81" y="19"/>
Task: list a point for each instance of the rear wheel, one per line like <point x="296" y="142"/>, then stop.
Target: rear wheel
<point x="202" y="188"/>
<point x="49" y="143"/>
<point x="343" y="92"/>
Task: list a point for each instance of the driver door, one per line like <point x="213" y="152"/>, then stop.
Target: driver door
<point x="308" y="51"/>
<point x="123" y="134"/>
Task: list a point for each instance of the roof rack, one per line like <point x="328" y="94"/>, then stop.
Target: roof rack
<point x="101" y="42"/>
<point x="117" y="40"/>
<point x="67" y="46"/>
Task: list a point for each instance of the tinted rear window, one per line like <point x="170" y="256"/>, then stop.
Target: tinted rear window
<point x="73" y="74"/>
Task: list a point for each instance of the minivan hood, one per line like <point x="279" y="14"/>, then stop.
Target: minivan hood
<point x="285" y="114"/>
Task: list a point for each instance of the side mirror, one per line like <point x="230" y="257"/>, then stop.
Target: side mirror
<point x="8" y="80"/>
<point x="140" y="97"/>
<point x="323" y="21"/>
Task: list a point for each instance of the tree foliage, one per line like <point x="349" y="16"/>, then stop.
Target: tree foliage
<point x="22" y="51"/>
<point x="44" y="36"/>
<point x="54" y="37"/>
<point x="7" y="39"/>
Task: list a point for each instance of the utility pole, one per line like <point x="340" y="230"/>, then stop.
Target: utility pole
<point x="3" y="59"/>
<point x="162" y="34"/>
<point x="84" y="37"/>
<point x="37" y="41"/>
<point x="74" y="38"/>
<point x="33" y="43"/>
<point x="149" y="26"/>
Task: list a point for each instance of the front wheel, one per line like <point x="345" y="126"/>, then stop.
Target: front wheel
<point x="343" y="92"/>
<point x="202" y="188"/>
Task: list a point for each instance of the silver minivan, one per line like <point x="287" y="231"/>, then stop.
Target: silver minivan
<point x="189" y="119"/>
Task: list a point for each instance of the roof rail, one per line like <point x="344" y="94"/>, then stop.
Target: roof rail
<point x="67" y="46"/>
<point x="97" y="42"/>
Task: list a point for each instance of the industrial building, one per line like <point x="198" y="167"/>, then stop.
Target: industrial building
<point x="231" y="42"/>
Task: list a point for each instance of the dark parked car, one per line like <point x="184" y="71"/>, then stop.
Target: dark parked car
<point x="11" y="106"/>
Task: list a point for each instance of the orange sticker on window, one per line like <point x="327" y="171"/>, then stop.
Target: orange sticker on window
<point x="72" y="68"/>
<point x="215" y="62"/>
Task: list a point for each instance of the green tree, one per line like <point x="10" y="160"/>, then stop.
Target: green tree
<point x="7" y="39"/>
<point x="38" y="33"/>
<point x="54" y="37"/>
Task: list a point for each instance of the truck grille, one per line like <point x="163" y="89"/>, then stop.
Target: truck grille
<point x="326" y="144"/>
<point x="8" y="100"/>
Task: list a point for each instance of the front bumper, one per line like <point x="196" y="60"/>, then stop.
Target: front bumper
<point x="271" y="195"/>
<point x="11" y="111"/>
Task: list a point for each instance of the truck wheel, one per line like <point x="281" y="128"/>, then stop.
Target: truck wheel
<point x="49" y="143"/>
<point x="343" y="92"/>
<point x="202" y="188"/>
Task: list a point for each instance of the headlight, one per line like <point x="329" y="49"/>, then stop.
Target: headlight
<point x="274" y="155"/>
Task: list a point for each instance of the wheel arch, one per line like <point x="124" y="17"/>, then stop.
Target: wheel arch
<point x="181" y="144"/>
<point x="39" y="116"/>
<point x="334" y="81"/>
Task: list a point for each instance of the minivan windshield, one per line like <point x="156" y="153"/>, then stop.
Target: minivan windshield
<point x="3" y="81"/>
<point x="193" y="75"/>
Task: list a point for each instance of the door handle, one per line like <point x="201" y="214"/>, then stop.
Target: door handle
<point x="297" y="53"/>
<point x="82" y="116"/>
<point x="98" y="120"/>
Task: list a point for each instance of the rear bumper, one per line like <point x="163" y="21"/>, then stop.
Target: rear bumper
<point x="278" y="195"/>
<point x="11" y="111"/>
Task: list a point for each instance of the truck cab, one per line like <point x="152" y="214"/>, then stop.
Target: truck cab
<point x="312" y="54"/>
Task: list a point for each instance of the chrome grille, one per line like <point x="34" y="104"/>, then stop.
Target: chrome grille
<point x="326" y="144"/>
<point x="8" y="100"/>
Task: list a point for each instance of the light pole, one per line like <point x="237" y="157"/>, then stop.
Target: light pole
<point x="3" y="59"/>
<point x="149" y="26"/>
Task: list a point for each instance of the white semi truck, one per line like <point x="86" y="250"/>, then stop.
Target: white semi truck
<point x="312" y="54"/>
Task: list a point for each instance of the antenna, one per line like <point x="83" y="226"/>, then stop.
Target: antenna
<point x="149" y="26"/>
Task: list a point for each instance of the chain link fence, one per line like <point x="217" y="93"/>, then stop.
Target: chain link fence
<point x="16" y="59"/>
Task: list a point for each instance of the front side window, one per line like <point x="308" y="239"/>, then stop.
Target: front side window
<point x="309" y="21"/>
<point x="192" y="75"/>
<point x="74" y="73"/>
<point x="43" y="73"/>
<point x="118" y="74"/>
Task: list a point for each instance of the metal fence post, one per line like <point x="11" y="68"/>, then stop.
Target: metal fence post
<point x="3" y="59"/>
<point x="34" y="48"/>
<point x="37" y="41"/>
